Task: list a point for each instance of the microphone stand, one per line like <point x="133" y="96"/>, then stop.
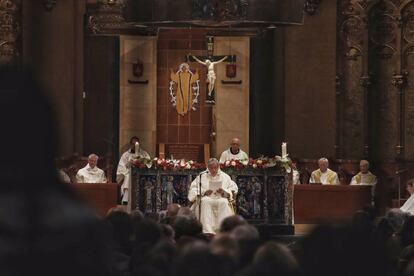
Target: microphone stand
<point x="199" y="196"/>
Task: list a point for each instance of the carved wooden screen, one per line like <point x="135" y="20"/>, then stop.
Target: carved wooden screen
<point x="195" y="126"/>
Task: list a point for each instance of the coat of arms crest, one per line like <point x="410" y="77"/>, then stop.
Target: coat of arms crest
<point x="138" y="68"/>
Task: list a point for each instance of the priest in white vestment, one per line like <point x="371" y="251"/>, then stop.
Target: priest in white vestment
<point x="295" y="172"/>
<point x="123" y="174"/>
<point x="364" y="177"/>
<point x="408" y="206"/>
<point x="234" y="152"/>
<point x="216" y="191"/>
<point x="324" y="175"/>
<point x="91" y="173"/>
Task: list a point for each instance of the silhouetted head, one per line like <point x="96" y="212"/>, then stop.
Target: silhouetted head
<point x="27" y="131"/>
<point x="229" y="223"/>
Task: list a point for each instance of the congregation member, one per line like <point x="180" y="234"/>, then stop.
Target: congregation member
<point x="233" y="152"/>
<point x="123" y="175"/>
<point x="91" y="173"/>
<point x="216" y="190"/>
<point x="364" y="177"/>
<point x="324" y="175"/>
<point x="408" y="206"/>
<point x="44" y="228"/>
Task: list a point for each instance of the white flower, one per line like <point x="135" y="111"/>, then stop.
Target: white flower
<point x="259" y="161"/>
<point x="254" y="166"/>
<point x="159" y="161"/>
<point x="188" y="166"/>
<point x="233" y="163"/>
<point x="227" y="163"/>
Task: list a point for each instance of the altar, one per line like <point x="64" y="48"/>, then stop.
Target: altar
<point x="265" y="195"/>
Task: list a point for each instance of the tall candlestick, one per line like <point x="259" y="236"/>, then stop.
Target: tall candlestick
<point x="284" y="149"/>
<point x="136" y="148"/>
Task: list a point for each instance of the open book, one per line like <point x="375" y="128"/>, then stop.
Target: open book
<point x="215" y="185"/>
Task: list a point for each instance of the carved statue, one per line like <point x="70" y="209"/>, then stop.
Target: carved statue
<point x="211" y="75"/>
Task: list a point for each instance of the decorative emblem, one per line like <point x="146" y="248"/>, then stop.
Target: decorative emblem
<point x="231" y="70"/>
<point x="184" y="89"/>
<point x="138" y="68"/>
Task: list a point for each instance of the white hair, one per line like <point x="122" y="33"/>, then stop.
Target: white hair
<point x="93" y="155"/>
<point x="323" y="159"/>
<point x="212" y="162"/>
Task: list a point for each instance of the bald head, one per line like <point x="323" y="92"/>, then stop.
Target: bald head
<point x="235" y="144"/>
<point x="364" y="166"/>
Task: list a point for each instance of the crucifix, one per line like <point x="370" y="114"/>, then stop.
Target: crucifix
<point x="209" y="61"/>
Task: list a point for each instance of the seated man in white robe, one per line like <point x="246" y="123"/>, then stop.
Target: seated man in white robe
<point x="234" y="152"/>
<point x="216" y="191"/>
<point x="364" y="177"/>
<point x="123" y="176"/>
<point x="324" y="175"/>
<point x="408" y="206"/>
<point x="91" y="173"/>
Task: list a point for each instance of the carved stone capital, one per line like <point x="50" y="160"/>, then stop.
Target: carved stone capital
<point x="399" y="80"/>
<point x="49" y="4"/>
<point x="106" y="18"/>
<point x="311" y="6"/>
<point x="365" y="81"/>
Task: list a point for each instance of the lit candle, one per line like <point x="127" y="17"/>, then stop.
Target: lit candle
<point x="136" y="148"/>
<point x="284" y="149"/>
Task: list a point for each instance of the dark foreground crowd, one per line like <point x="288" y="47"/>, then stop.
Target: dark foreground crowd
<point x="175" y="245"/>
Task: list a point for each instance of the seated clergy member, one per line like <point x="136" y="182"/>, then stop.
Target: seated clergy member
<point x="364" y="176"/>
<point x="216" y="190"/>
<point x="91" y="173"/>
<point x="234" y="152"/>
<point x="323" y="174"/>
<point x="408" y="206"/>
<point x="122" y="172"/>
<point x="295" y="171"/>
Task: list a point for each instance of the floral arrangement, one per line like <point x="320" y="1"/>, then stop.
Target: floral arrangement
<point x="142" y="162"/>
<point x="259" y="163"/>
<point x="176" y="164"/>
<point x="182" y="164"/>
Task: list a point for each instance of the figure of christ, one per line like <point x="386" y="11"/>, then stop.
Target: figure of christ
<point x="211" y="75"/>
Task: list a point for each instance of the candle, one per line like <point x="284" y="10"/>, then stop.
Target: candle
<point x="284" y="149"/>
<point x="136" y="148"/>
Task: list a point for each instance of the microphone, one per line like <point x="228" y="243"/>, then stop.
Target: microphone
<point x="400" y="171"/>
<point x="203" y="172"/>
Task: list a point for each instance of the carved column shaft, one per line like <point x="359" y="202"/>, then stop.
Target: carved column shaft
<point x="407" y="65"/>
<point x="10" y="31"/>
<point x="353" y="81"/>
